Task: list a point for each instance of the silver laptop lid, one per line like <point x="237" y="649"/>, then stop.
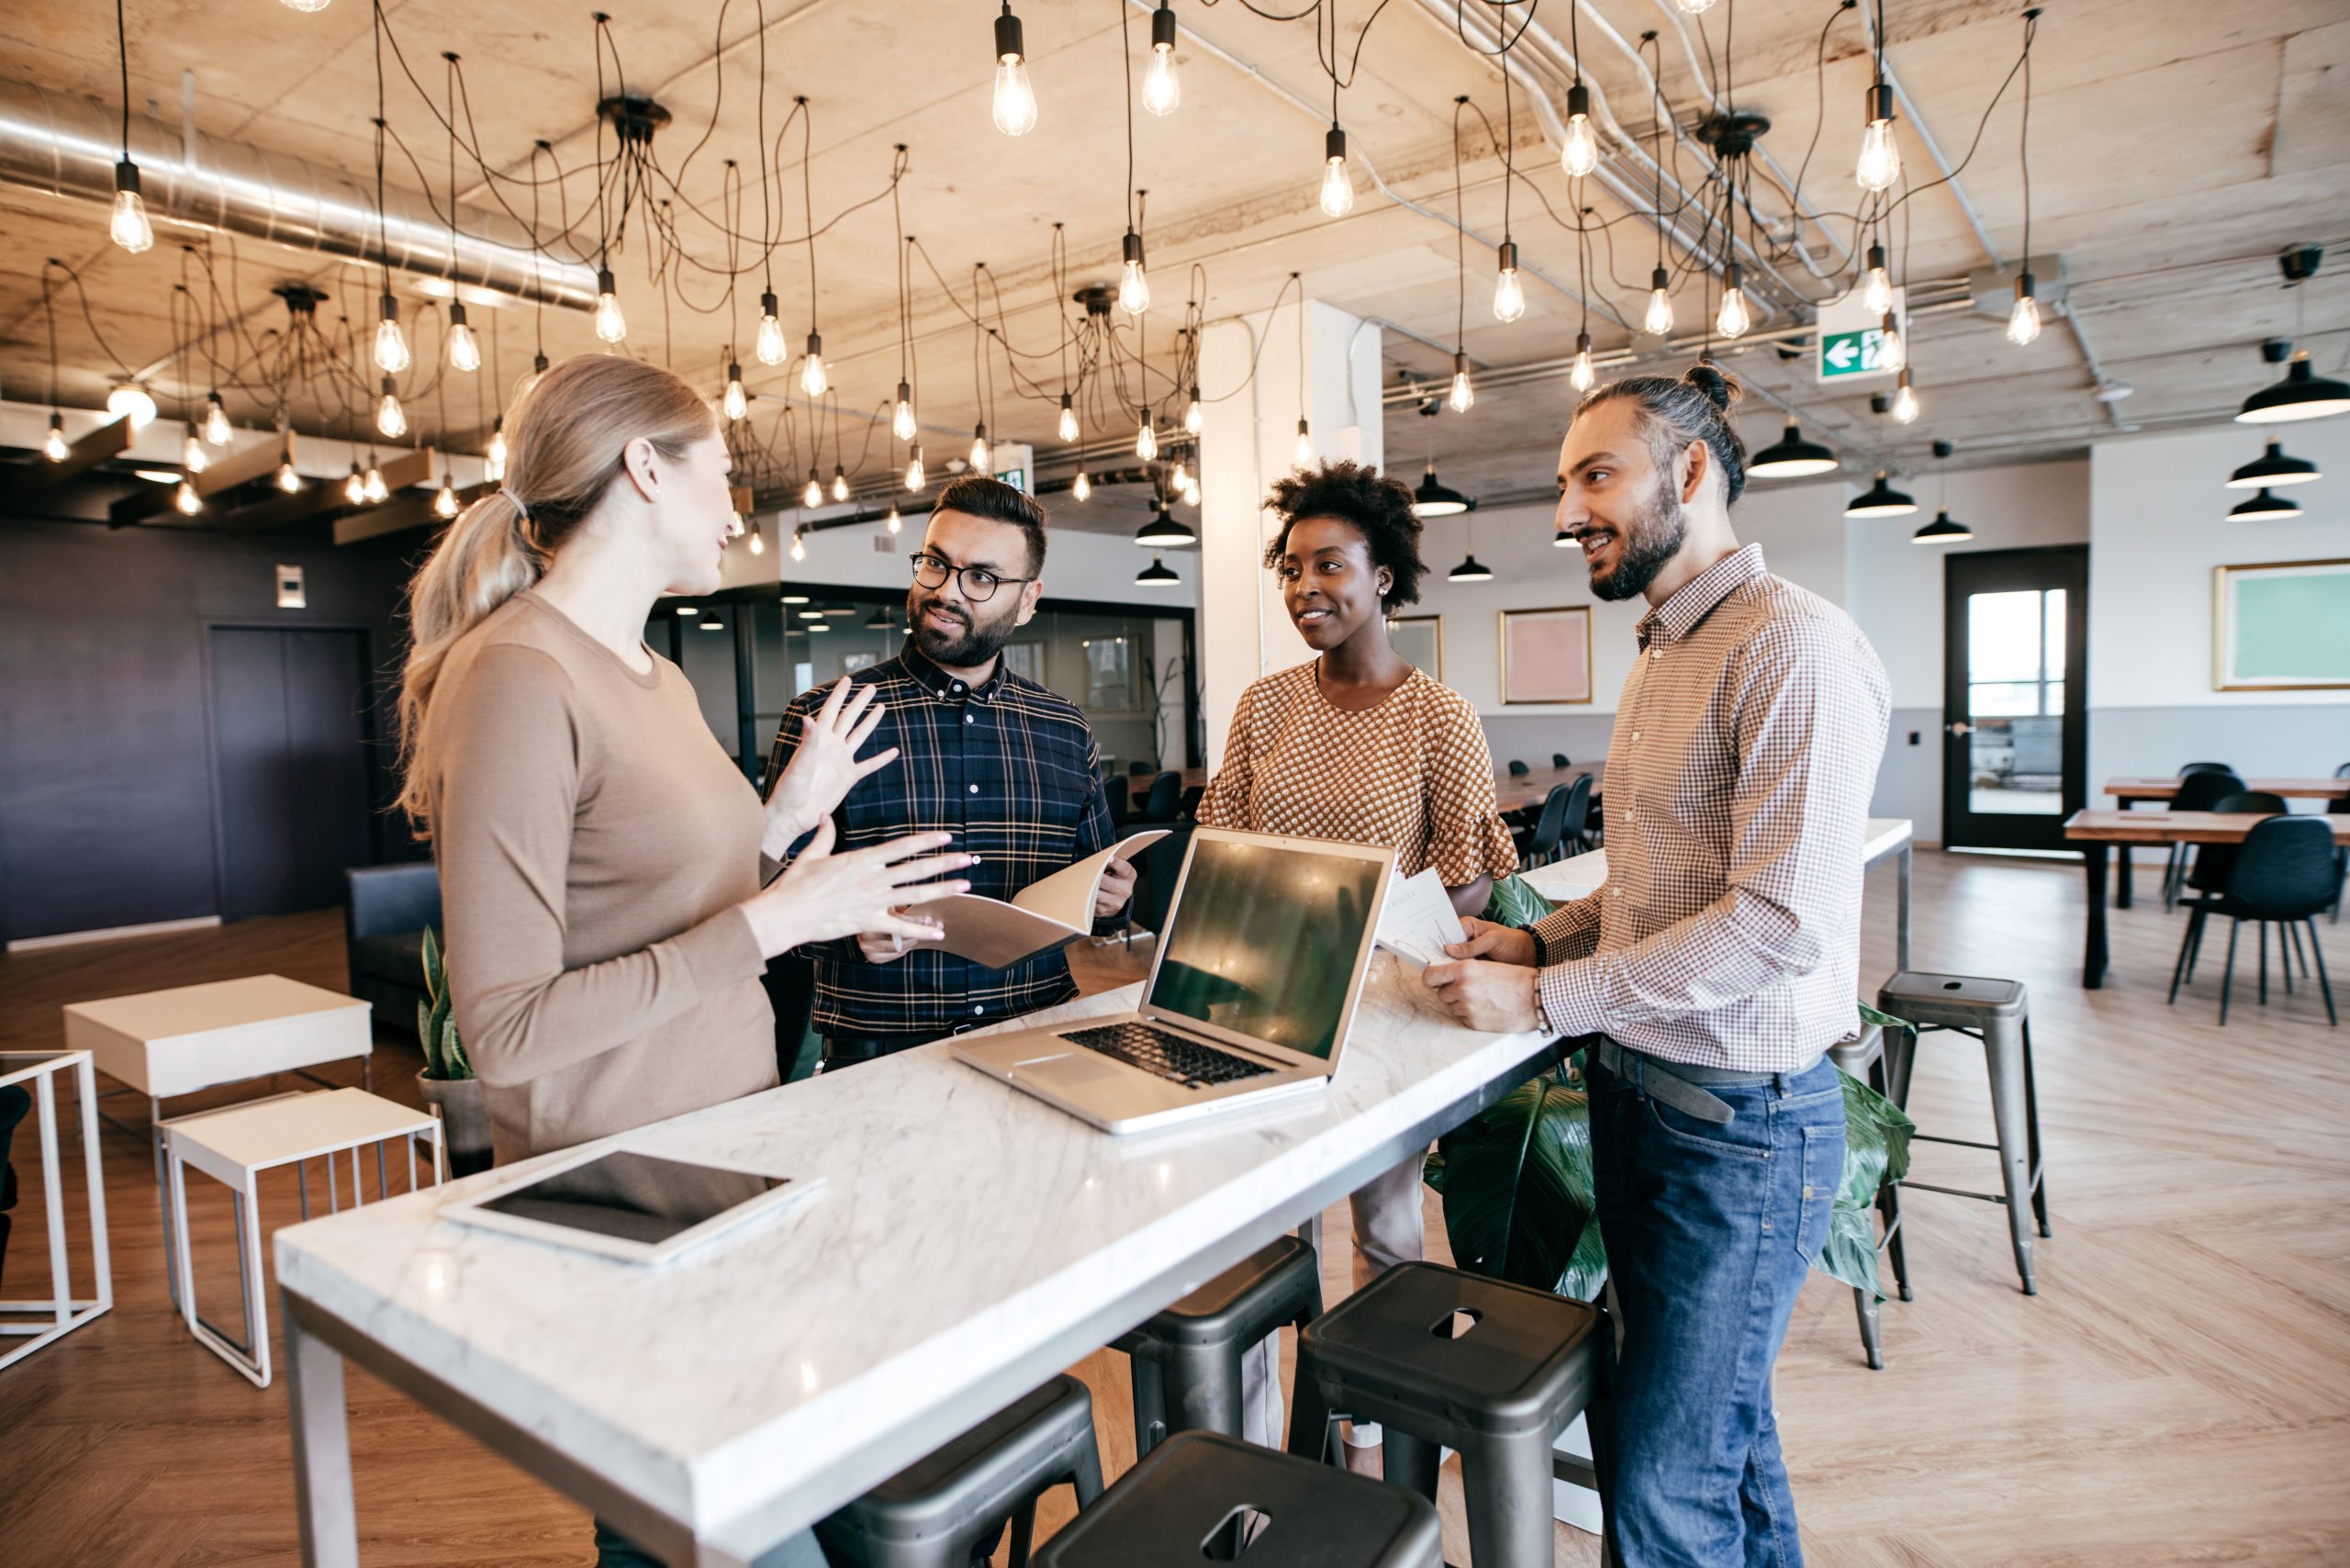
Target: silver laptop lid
<point x="1268" y="940"/>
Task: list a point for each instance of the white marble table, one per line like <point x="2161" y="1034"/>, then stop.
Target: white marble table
<point x="970" y="1242"/>
<point x="1579" y="876"/>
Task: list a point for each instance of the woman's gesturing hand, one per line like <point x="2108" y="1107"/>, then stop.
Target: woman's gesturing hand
<point x="824" y="895"/>
<point x="824" y="766"/>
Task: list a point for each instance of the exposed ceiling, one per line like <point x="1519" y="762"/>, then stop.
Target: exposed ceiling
<point x="2176" y="146"/>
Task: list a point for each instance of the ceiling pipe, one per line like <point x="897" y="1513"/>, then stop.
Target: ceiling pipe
<point x="67" y="147"/>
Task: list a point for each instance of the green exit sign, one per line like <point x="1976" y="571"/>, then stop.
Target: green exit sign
<point x="1856" y="353"/>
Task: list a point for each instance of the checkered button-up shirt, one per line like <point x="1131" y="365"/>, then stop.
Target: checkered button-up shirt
<point x="1007" y="767"/>
<point x="1745" y="751"/>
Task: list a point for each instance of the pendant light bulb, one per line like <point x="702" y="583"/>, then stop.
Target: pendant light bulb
<point x="769" y="347"/>
<point x="980" y="456"/>
<point x="758" y="541"/>
<point x="1015" y="100"/>
<point x="391" y="419"/>
<point x="1585" y="376"/>
<point x="216" y="422"/>
<point x="133" y="402"/>
<point x="901" y="420"/>
<point x="1182" y="477"/>
<point x="1880" y="161"/>
<point x="355" y="489"/>
<point x="1892" y="354"/>
<point x="191" y="456"/>
<point x="289" y="478"/>
<point x="306" y="7"/>
<point x="1464" y="396"/>
<point x="798" y="544"/>
<point x="1305" y="454"/>
<point x="1146" y="439"/>
<point x="840" y="483"/>
<point x="373" y="486"/>
<point x="1877" y="284"/>
<point x="1083" y="487"/>
<point x="897" y="524"/>
<point x="1195" y="415"/>
<point x="2023" y="319"/>
<point x="1734" y="318"/>
<point x="611" y="325"/>
<point x="464" y="349"/>
<point x="737" y="402"/>
<point x="1134" y="284"/>
<point x="1579" y="154"/>
<point x="1338" y="184"/>
<point x="813" y="495"/>
<point x="186" y="498"/>
<point x="391" y="339"/>
<point x="1658" y="322"/>
<point x="444" y="499"/>
<point x="916" y="477"/>
<point x="52" y="445"/>
<point x="494" y="460"/>
<point x="129" y="227"/>
<point x="812" y="379"/>
<point x="1509" y="295"/>
<point x="1192" y="492"/>
<point x="1161" y="92"/>
<point x="1069" y="418"/>
<point x="1904" y="402"/>
<point x="1693" y="7"/>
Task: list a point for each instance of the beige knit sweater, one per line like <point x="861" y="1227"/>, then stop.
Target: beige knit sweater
<point x="593" y="842"/>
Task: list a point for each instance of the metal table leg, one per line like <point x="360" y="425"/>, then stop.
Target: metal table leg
<point x="323" y="1501"/>
<point x="1901" y="914"/>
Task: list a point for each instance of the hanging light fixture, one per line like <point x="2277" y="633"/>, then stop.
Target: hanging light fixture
<point x="464" y="349"/>
<point x="758" y="540"/>
<point x="770" y="348"/>
<point x="1164" y="528"/>
<point x="1303" y="453"/>
<point x="1015" y="100"/>
<point x="1880" y="161"/>
<point x="375" y="489"/>
<point x="1157" y="574"/>
<point x="1905" y="401"/>
<point x="289" y="478"/>
<point x="1892" y="354"/>
<point x="1562" y="540"/>
<point x="1942" y="529"/>
<point x="1433" y="498"/>
<point x="1068" y="431"/>
<point x="896" y="524"/>
<point x="916" y="477"/>
<point x="812" y="378"/>
<point x="1792" y="458"/>
<point x="52" y="445"/>
<point x="216" y="421"/>
<point x="798" y="544"/>
<point x="307" y="7"/>
<point x="1877" y="284"/>
<point x="1338" y="184"/>
<point x="2263" y="506"/>
<point x="735" y="403"/>
<point x="1464" y="396"/>
<point x="1082" y="487"/>
<point x="128" y="225"/>
<point x="191" y="456"/>
<point x="813" y="495"/>
<point x="1145" y="438"/>
<point x="444" y="499"/>
<point x="1161" y="92"/>
<point x="1509" y="295"/>
<point x="1881" y="499"/>
<point x="1658" y="322"/>
<point x="1196" y="415"/>
<point x="2271" y="469"/>
<point x="186" y="498"/>
<point x="1585" y="374"/>
<point x="1693" y="7"/>
<point x="355" y="489"/>
<point x="131" y="402"/>
<point x="2302" y="395"/>
<point x="1579" y="154"/>
<point x="391" y="419"/>
<point x="840" y="483"/>
<point x="879" y="621"/>
<point x="980" y="456"/>
<point x="392" y="356"/>
<point x="1471" y="570"/>
<point x="2023" y="317"/>
<point x="1735" y="316"/>
<point x="494" y="461"/>
<point x="611" y="326"/>
<point x="1134" y="283"/>
<point x="901" y="420"/>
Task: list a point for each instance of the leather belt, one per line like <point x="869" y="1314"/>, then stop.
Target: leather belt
<point x="1675" y="1083"/>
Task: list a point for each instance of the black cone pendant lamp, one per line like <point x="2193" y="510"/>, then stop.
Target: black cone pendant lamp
<point x="1164" y="528"/>
<point x="1157" y="574"/>
<point x="2272" y="469"/>
<point x="1792" y="458"/>
<point x="1881" y="499"/>
<point x="1430" y="497"/>
<point x="1942" y="529"/>
<point x="2302" y="395"/>
<point x="2263" y="507"/>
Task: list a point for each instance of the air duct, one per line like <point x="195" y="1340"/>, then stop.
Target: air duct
<point x="67" y="147"/>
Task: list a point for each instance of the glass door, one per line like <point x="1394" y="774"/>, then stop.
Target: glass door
<point x="2015" y="735"/>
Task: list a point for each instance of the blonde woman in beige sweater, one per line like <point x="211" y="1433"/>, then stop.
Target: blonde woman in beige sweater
<point x="601" y="859"/>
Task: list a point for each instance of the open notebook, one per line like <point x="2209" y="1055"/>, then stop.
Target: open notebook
<point x="1042" y="916"/>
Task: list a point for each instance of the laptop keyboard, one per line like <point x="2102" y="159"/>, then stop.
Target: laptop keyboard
<point x="1166" y="1054"/>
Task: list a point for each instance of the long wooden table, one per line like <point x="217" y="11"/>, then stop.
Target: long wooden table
<point x="2096" y="831"/>
<point x="2131" y="789"/>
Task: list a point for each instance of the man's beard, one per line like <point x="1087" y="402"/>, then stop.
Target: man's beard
<point x="1654" y="538"/>
<point x="979" y="641"/>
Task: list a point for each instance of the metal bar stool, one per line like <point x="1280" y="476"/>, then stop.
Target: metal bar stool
<point x="1186" y="1359"/>
<point x="1204" y="1495"/>
<point x="1865" y="1059"/>
<point x="931" y="1513"/>
<point x="1992" y="1012"/>
<point x="1444" y="1358"/>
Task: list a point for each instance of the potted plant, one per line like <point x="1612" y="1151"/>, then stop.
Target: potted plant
<point x="447" y="1083"/>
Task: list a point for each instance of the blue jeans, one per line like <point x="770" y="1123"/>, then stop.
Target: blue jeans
<point x="1710" y="1229"/>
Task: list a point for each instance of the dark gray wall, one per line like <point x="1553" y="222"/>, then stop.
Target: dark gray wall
<point x="106" y="775"/>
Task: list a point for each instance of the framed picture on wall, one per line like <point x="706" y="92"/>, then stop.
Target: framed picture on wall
<point x="1420" y="639"/>
<point x="2281" y="626"/>
<point x="1546" y="654"/>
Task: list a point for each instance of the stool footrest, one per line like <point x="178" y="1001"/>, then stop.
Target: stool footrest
<point x="1998" y="1198"/>
<point x="1960" y="1142"/>
<point x="1574" y="1471"/>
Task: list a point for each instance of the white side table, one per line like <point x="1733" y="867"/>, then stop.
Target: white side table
<point x="235" y="1145"/>
<point x="167" y="1043"/>
<point x="62" y="1312"/>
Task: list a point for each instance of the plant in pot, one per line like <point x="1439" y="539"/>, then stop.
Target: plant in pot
<point x="447" y="1083"/>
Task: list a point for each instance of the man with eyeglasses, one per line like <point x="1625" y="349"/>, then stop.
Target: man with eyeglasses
<point x="1009" y="768"/>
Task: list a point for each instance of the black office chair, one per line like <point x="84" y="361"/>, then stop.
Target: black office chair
<point x="1165" y="799"/>
<point x="1559" y="759"/>
<point x="2197" y="792"/>
<point x="2340" y="807"/>
<point x="1141" y="768"/>
<point x="2283" y="875"/>
<point x="1575" y="832"/>
<point x="2208" y="873"/>
<point x="1538" y="845"/>
<point x="2207" y="768"/>
<point x="14" y="1104"/>
<point x="2343" y="771"/>
<point x="1188" y="809"/>
<point x="1120" y="798"/>
<point x="1518" y="770"/>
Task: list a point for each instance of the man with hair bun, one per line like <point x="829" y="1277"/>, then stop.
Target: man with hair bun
<point x="1710" y="974"/>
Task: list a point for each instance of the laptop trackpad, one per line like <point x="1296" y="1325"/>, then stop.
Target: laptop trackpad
<point x="1071" y="1071"/>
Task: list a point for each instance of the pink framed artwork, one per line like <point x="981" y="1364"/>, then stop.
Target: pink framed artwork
<point x="1546" y="654"/>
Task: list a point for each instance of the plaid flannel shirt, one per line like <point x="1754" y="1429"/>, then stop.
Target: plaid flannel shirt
<point x="1013" y="771"/>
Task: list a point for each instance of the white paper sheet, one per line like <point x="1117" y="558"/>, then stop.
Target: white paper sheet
<point x="1419" y="920"/>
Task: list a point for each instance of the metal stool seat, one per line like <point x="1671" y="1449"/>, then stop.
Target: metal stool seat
<point x="1994" y="1012"/>
<point x="1444" y="1358"/>
<point x="1186" y="1359"/>
<point x="931" y="1513"/>
<point x="1865" y="1059"/>
<point x="1206" y="1496"/>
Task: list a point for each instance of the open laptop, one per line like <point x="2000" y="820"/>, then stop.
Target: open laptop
<point x="1250" y="998"/>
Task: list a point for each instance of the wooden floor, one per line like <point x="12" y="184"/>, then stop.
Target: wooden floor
<point x="2178" y="1392"/>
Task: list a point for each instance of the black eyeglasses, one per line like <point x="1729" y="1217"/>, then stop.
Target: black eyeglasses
<point x="978" y="583"/>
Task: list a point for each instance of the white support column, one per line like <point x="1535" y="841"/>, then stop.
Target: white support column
<point x="1249" y="441"/>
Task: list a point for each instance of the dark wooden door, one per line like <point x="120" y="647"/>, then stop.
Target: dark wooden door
<point x="2015" y="694"/>
<point x="289" y="728"/>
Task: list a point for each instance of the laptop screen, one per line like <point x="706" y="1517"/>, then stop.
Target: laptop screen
<point x="1264" y="941"/>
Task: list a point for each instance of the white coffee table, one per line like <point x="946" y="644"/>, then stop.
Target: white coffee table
<point x="63" y="1312"/>
<point x="162" y="1044"/>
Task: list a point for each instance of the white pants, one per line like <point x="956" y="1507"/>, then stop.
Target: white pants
<point x="1388" y="1230"/>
